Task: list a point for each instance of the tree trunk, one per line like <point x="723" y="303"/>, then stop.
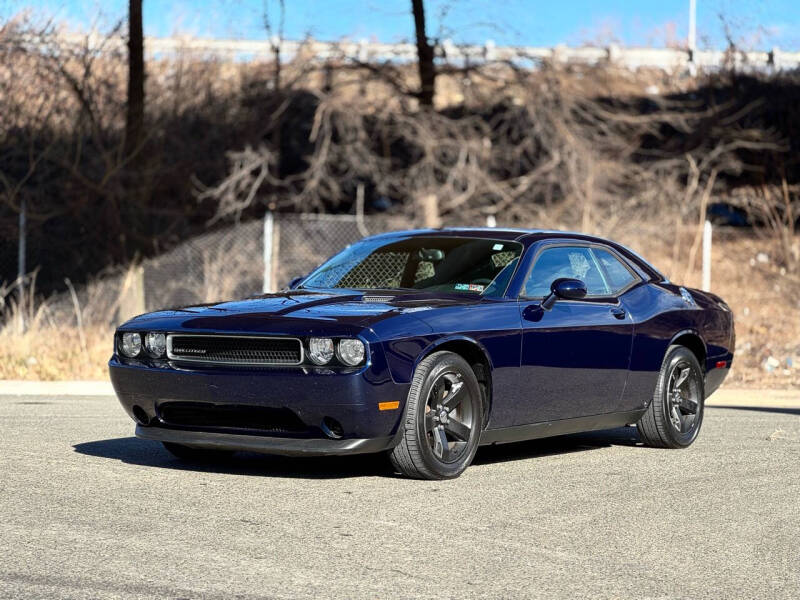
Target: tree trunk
<point x="134" y="124"/>
<point x="427" y="71"/>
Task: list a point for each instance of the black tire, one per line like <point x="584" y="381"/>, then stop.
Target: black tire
<point x="191" y="454"/>
<point x="432" y="444"/>
<point x="659" y="426"/>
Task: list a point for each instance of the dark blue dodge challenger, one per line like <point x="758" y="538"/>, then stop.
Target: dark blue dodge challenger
<point x="427" y="344"/>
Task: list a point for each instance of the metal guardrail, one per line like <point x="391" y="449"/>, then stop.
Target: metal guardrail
<point x="364" y="51"/>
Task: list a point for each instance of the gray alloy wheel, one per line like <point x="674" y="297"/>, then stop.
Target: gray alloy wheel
<point x="443" y="419"/>
<point x="675" y="415"/>
<point x="192" y="454"/>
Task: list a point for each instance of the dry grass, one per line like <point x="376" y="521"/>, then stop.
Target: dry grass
<point x="55" y="353"/>
<point x="65" y="337"/>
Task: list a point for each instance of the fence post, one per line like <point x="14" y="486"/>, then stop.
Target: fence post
<point x="22" y="267"/>
<point x="707" y="256"/>
<point x="691" y="41"/>
<point x="489" y="53"/>
<point x="266" y="285"/>
<point x="132" y="297"/>
<point x="429" y="205"/>
<point x="773" y="59"/>
<point x="276" y="254"/>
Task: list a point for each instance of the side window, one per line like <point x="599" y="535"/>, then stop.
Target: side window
<point x="574" y="262"/>
<point x="617" y="274"/>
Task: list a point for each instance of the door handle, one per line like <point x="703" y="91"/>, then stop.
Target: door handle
<point x="618" y="312"/>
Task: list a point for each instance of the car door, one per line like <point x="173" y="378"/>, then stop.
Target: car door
<point x="575" y="357"/>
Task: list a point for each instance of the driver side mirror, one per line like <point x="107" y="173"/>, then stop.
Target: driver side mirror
<point x="565" y="289"/>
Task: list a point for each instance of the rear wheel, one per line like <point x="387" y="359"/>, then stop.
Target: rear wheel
<point x="443" y="419"/>
<point x="191" y="454"/>
<point x="675" y="415"/>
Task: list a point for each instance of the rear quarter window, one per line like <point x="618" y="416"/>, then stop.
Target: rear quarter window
<point x="617" y="274"/>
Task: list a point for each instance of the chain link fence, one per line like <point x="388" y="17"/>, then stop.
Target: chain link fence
<point x="303" y="242"/>
<point x="11" y="249"/>
<point x="227" y="263"/>
<point x="249" y="258"/>
<point x="236" y="261"/>
<point x="244" y="259"/>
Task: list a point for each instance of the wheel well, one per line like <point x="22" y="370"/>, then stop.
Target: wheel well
<point x="479" y="362"/>
<point x="695" y="344"/>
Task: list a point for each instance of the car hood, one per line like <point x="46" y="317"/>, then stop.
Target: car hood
<point x="299" y="311"/>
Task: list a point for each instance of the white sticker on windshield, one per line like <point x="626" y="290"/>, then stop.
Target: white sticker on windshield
<point x="469" y="287"/>
<point x="497" y="247"/>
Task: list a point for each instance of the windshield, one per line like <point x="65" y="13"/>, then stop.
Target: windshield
<point x="446" y="264"/>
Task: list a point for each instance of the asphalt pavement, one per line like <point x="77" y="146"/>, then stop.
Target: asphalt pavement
<point x="88" y="511"/>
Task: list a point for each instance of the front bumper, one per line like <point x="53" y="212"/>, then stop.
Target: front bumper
<point x="265" y="444"/>
<point x="351" y="398"/>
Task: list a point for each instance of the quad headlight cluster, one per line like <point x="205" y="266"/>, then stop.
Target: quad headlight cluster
<point x="155" y="343"/>
<point x="349" y="351"/>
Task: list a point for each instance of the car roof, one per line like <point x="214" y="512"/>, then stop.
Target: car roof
<point x="496" y="233"/>
<point x="526" y="236"/>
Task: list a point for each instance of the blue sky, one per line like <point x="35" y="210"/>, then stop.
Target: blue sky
<point x="753" y="23"/>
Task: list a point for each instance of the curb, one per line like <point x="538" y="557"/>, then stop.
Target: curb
<point x="723" y="397"/>
<point x="55" y="388"/>
<point x="736" y="398"/>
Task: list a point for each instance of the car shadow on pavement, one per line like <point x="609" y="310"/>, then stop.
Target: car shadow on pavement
<point x="145" y="453"/>
<point x="563" y="444"/>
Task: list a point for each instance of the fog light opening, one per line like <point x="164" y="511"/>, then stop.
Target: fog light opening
<point x="140" y="416"/>
<point x="332" y="428"/>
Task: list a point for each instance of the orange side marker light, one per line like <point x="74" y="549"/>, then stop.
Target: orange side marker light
<point x="389" y="405"/>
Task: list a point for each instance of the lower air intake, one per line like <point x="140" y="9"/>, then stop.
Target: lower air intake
<point x="227" y="416"/>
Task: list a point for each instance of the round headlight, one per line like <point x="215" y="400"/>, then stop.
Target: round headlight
<point x="131" y="344"/>
<point x="156" y="343"/>
<point x="320" y="350"/>
<point x="351" y="352"/>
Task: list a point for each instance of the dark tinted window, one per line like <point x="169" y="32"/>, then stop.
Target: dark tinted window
<point x="448" y="264"/>
<point x="573" y="262"/>
<point x="617" y="274"/>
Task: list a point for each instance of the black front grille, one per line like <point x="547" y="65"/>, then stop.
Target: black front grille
<point x="230" y="416"/>
<point x="234" y="350"/>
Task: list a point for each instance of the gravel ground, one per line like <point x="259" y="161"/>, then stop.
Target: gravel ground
<point x="88" y="511"/>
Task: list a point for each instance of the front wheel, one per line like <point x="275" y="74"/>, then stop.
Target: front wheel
<point x="443" y="420"/>
<point x="675" y="415"/>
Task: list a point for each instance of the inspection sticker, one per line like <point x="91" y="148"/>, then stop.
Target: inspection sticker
<point x="469" y="287"/>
